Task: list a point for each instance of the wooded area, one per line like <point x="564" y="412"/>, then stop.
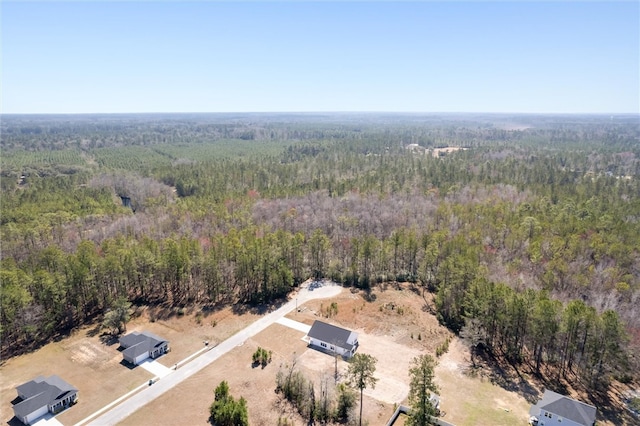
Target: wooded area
<point x="529" y="238"/>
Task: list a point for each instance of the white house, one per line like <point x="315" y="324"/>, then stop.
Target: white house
<point x="140" y="346"/>
<point x="556" y="409"/>
<point x="41" y="396"/>
<point x="333" y="339"/>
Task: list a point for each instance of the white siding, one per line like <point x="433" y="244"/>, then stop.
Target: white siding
<point x="29" y="418"/>
<point x="555" y="420"/>
<point x="141" y="358"/>
<point x="328" y="347"/>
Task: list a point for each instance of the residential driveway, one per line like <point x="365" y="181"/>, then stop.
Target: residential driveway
<point x="296" y="325"/>
<point x="47" y="420"/>
<point x="155" y="368"/>
<point x="311" y="291"/>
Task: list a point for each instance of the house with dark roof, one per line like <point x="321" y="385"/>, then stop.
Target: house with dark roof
<point x="140" y="346"/>
<point x="557" y="409"/>
<point x="43" y="395"/>
<point x="333" y="339"/>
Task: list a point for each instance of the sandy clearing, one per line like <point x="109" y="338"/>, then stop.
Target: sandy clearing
<point x="392" y="368"/>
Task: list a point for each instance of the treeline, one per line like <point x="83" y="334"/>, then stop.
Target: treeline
<point x="530" y="326"/>
<point x="91" y="131"/>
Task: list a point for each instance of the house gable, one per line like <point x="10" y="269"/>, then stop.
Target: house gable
<point x="41" y="395"/>
<point x="554" y="405"/>
<point x="136" y="345"/>
<point x="323" y="334"/>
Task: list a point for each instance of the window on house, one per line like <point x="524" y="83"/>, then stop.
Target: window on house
<point x="324" y="345"/>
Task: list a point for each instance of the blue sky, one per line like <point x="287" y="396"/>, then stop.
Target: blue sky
<point x="213" y="56"/>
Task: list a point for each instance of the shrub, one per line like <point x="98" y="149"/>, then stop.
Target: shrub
<point x="225" y="410"/>
<point x="261" y="357"/>
<point x="443" y="348"/>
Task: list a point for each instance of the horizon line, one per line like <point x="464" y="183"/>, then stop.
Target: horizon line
<point x="324" y="112"/>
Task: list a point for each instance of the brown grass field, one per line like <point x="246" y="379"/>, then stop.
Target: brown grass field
<point x="394" y="326"/>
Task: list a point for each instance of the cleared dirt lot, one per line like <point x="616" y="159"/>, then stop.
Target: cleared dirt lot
<point x="385" y="332"/>
<point x="469" y="401"/>
<point x="255" y="384"/>
<point x="94" y="365"/>
<point x="84" y="362"/>
<point x="395" y="325"/>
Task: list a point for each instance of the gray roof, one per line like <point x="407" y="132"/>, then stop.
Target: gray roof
<point x="39" y="392"/>
<point x="330" y="334"/>
<point x="136" y="344"/>
<point x="565" y="407"/>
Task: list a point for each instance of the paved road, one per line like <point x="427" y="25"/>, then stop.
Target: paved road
<point x="120" y="412"/>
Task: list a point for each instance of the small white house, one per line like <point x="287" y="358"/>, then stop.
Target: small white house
<point x="140" y="346"/>
<point x="333" y="339"/>
<point x="41" y="396"/>
<point x="556" y="409"/>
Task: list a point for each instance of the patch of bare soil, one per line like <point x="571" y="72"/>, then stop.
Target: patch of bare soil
<point x="393" y="311"/>
<point x="85" y="362"/>
<point x="92" y="362"/>
<point x="385" y="322"/>
<point x="437" y="152"/>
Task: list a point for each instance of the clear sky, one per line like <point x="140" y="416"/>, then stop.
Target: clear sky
<point x="420" y="56"/>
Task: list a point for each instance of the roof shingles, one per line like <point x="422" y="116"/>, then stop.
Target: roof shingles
<point x="331" y="334"/>
<point x="565" y="407"/>
<point x="40" y="392"/>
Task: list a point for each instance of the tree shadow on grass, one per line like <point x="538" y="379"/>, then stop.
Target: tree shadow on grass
<point x="611" y="409"/>
<point x="109" y="339"/>
<point x="506" y="375"/>
<point x="258" y="308"/>
<point x="94" y="331"/>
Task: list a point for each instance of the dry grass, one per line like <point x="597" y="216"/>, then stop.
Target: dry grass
<point x="389" y="324"/>
<point x="94" y="366"/>
<point x="469" y="401"/>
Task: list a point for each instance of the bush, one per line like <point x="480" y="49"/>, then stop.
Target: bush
<point x="346" y="403"/>
<point x="443" y="348"/>
<point x="225" y="411"/>
<point x="261" y="357"/>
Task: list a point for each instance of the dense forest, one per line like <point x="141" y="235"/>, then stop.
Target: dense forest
<point x="527" y="234"/>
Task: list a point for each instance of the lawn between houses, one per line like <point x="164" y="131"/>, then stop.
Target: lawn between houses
<point x="386" y="326"/>
<point x="94" y="366"/>
<point x="393" y="327"/>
